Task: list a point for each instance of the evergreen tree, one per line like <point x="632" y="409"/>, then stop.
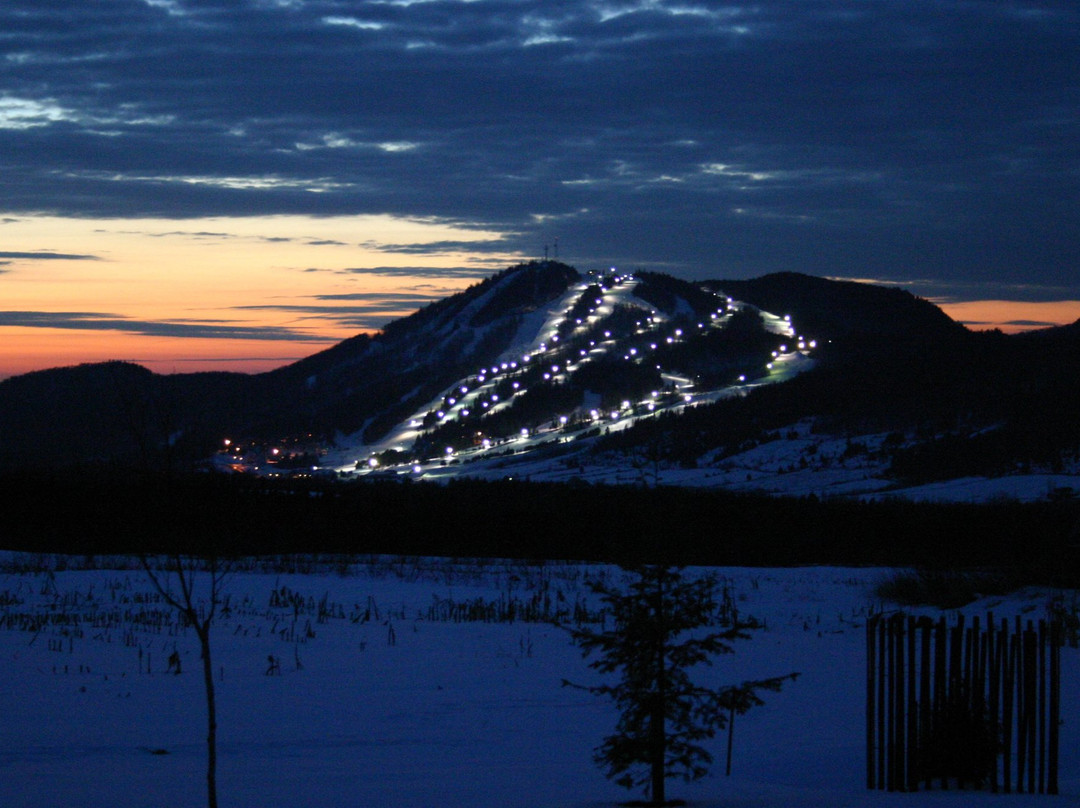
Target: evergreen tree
<point x="664" y="625"/>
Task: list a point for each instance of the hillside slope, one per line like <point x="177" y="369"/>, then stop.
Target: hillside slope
<point x="544" y="372"/>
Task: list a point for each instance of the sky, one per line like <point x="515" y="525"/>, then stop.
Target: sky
<point x="236" y="184"/>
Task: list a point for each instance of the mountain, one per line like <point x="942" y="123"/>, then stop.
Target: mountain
<point x="785" y="383"/>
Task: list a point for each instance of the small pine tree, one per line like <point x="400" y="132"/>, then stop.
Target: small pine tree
<point x="664" y="625"/>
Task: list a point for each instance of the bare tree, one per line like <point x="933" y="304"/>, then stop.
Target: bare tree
<point x="193" y="585"/>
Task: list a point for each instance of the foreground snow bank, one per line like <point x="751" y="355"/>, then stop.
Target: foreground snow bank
<point x="379" y="702"/>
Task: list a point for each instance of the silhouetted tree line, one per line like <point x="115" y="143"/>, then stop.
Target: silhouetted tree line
<point x="665" y="292"/>
<point x="90" y="515"/>
<point x="980" y="404"/>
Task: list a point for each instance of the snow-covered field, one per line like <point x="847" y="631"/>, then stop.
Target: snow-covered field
<point x="381" y="704"/>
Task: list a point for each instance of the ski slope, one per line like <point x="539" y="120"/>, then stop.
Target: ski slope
<point x="537" y="342"/>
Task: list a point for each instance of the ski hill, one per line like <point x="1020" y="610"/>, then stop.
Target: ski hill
<point x="589" y="350"/>
<point x="785" y="384"/>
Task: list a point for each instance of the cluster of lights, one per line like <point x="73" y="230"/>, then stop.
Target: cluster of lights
<point x="651" y="322"/>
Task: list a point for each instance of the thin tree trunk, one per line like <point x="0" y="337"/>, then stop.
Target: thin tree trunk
<point x="185" y="604"/>
<point x="657" y="734"/>
<point x="658" y="743"/>
<point x="211" y="719"/>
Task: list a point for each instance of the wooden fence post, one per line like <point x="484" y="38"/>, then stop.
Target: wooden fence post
<point x="911" y="782"/>
<point x="925" y="680"/>
<point x="1056" y="639"/>
<point x="871" y="715"/>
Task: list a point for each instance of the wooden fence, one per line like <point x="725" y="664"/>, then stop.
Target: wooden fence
<point x="970" y="705"/>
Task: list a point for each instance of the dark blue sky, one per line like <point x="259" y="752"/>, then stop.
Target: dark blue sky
<point x="891" y="139"/>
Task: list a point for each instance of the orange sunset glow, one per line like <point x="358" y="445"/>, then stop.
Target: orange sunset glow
<point x="215" y="294"/>
<point x="252" y="294"/>
<point x="1012" y="316"/>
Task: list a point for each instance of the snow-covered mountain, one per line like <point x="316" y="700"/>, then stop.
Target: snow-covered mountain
<point x="645" y="379"/>
<point x="612" y="350"/>
<point x="787" y="384"/>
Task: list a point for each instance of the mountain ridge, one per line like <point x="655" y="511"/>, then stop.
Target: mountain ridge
<point x="883" y="362"/>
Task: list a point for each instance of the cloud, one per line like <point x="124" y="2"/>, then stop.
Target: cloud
<point x="191" y="329"/>
<point x="443" y="247"/>
<point x="952" y="292"/>
<point x="410" y="271"/>
<point x="47" y="256"/>
<point x="368" y="310"/>
<point x="394" y="298"/>
<point x="711" y="139"/>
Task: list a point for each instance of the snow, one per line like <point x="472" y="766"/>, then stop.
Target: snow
<point x="453" y="715"/>
<point x="536" y="336"/>
<point x="794" y="461"/>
